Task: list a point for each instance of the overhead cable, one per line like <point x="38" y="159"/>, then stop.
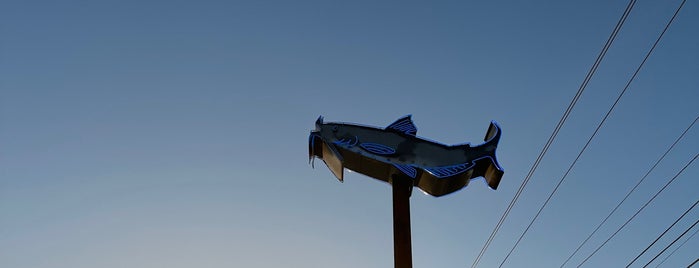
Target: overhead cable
<point x="663" y="234"/>
<point x="599" y="126"/>
<point x="693" y="263"/>
<point x="630" y="191"/>
<point x="639" y="210"/>
<point x="567" y="112"/>
<point x="671" y="243"/>
<point x="678" y="247"/>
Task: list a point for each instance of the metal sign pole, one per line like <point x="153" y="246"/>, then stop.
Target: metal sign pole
<point x="402" y="250"/>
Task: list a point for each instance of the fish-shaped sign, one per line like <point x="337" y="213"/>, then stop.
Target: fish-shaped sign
<point x="380" y="153"/>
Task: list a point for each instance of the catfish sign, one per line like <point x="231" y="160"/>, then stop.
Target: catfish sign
<point x="380" y="153"/>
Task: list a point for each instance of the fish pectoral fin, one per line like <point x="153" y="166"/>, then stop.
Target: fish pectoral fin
<point x="404" y="125"/>
<point x="407" y="170"/>
<point x="333" y="159"/>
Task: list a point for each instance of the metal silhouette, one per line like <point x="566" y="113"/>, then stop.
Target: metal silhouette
<point x="395" y="154"/>
<point x="436" y="168"/>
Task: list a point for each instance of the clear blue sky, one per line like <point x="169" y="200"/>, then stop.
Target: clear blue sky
<point x="174" y="133"/>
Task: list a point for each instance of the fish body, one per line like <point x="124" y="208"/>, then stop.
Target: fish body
<point x="396" y="150"/>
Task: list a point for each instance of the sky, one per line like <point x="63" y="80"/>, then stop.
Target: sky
<point x="174" y="133"/>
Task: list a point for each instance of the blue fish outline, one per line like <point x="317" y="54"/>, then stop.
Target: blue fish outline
<point x="436" y="180"/>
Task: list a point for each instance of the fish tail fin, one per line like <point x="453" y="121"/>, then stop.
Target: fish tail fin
<point x="493" y="173"/>
<point x="493" y="133"/>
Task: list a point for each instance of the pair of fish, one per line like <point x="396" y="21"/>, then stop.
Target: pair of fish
<point x="381" y="153"/>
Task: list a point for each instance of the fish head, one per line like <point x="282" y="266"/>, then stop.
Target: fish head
<point x="321" y="145"/>
<point x="324" y="133"/>
<point x="330" y="131"/>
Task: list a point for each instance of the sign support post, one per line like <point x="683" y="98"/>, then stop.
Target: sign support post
<point x="402" y="248"/>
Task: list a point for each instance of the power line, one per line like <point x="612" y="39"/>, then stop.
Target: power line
<point x="639" y="210"/>
<point x="567" y="112"/>
<point x="678" y="247"/>
<point x="631" y="191"/>
<point x="621" y="94"/>
<point x="663" y="234"/>
<point x="671" y="243"/>
<point x="693" y="263"/>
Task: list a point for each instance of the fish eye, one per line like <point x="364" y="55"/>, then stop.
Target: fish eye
<point x="334" y="128"/>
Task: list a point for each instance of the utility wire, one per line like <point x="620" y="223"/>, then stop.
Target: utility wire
<point x="565" y="175"/>
<point x="693" y="263"/>
<point x="639" y="210"/>
<point x="678" y="247"/>
<point x="631" y="191"/>
<point x="621" y="94"/>
<point x="663" y="234"/>
<point x="567" y="112"/>
<point x="671" y="243"/>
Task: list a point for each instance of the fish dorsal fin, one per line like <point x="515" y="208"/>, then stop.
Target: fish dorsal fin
<point x="404" y="125"/>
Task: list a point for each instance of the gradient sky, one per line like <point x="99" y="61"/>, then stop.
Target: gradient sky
<point x="174" y="133"/>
